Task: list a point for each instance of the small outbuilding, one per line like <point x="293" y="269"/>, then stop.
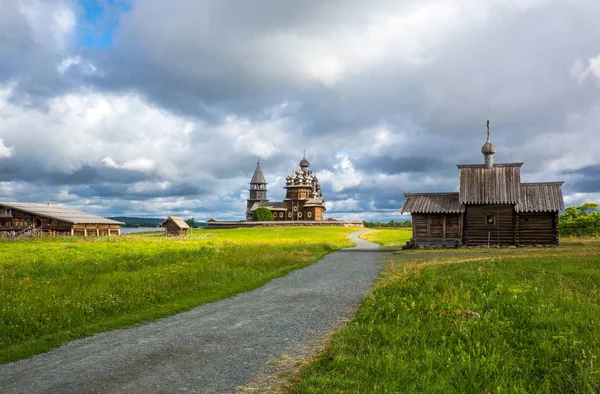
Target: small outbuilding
<point x="175" y="226"/>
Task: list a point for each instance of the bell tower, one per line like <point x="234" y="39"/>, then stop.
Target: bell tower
<point x="258" y="188"/>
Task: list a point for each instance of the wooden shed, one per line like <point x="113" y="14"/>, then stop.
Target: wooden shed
<point x="492" y="207"/>
<point x="29" y="219"/>
<point x="436" y="218"/>
<point x="175" y="226"/>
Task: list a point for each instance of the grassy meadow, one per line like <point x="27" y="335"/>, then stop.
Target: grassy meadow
<point x="388" y="236"/>
<point x="55" y="290"/>
<point x="472" y="321"/>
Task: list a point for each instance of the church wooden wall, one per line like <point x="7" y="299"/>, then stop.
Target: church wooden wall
<point x="477" y="230"/>
<point x="538" y="228"/>
<point x="279" y="215"/>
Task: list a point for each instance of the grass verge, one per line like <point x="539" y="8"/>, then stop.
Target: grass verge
<point x="388" y="236"/>
<point x="55" y="290"/>
<point x="520" y="323"/>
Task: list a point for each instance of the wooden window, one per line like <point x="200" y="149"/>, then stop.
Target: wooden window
<point x="299" y="214"/>
<point x="289" y="214"/>
<point x="309" y="214"/>
<point x="491" y="219"/>
<point x="295" y="208"/>
<point x="280" y="214"/>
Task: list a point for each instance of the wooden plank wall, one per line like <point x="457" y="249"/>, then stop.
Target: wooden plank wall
<point x="538" y="228"/>
<point x="477" y="230"/>
<point x="432" y="229"/>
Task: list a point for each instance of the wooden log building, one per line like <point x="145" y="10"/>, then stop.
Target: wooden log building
<point x="303" y="198"/>
<point x="28" y="219"/>
<point x="492" y="208"/>
<point x="175" y="226"/>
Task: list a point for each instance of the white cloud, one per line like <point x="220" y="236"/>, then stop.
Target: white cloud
<point x="581" y="72"/>
<point x="138" y="164"/>
<point x="52" y="23"/>
<point x="5" y="151"/>
<point x="343" y="176"/>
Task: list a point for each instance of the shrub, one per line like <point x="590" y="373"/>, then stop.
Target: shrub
<point x="262" y="214"/>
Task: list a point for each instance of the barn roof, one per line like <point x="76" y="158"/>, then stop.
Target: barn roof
<point x="541" y="197"/>
<point x="64" y="214"/>
<point x="496" y="185"/>
<point x="431" y="203"/>
<point x="179" y="222"/>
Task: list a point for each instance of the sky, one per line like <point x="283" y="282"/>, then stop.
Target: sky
<point x="154" y="108"/>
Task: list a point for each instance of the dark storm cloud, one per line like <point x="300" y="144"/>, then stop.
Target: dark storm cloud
<point x="587" y="179"/>
<point x="395" y="165"/>
<point x="127" y="193"/>
<point x="16" y="170"/>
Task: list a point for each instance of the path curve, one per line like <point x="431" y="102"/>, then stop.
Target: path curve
<point x="215" y="347"/>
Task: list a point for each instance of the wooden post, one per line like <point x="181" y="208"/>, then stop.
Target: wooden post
<point x="428" y="226"/>
<point x="85" y="230"/>
<point x="72" y="231"/>
<point x="444" y="227"/>
<point x="97" y="231"/>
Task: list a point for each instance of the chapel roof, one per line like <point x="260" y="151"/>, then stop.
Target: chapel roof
<point x="497" y="185"/>
<point x="541" y="197"/>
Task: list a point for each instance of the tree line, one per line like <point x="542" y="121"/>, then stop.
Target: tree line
<point x="583" y="220"/>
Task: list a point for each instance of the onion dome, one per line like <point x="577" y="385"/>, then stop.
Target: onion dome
<point x="304" y="163"/>
<point x="488" y="148"/>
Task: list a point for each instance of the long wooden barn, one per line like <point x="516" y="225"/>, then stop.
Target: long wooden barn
<point x="29" y="219"/>
<point x="492" y="207"/>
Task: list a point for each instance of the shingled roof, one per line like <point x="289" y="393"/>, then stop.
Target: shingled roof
<point x="273" y="206"/>
<point x="431" y="203"/>
<point x="541" y="197"/>
<point x="258" y="176"/>
<point x="497" y="185"/>
<point x="64" y="214"/>
<point x="179" y="222"/>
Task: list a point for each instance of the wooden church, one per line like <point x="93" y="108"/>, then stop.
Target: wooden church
<point x="303" y="198"/>
<point x="492" y="207"/>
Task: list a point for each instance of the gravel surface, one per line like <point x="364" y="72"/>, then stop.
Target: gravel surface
<point x="213" y="348"/>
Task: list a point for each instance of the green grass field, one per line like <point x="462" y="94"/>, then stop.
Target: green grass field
<point x="504" y="321"/>
<point x="388" y="236"/>
<point x="55" y="290"/>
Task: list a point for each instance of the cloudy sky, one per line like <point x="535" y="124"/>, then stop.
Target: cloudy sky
<point x="153" y="107"/>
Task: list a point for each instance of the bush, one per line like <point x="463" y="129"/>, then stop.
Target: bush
<point x="262" y="214"/>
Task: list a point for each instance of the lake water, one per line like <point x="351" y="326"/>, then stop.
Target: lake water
<point x="130" y="230"/>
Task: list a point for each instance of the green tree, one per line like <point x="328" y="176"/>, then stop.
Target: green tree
<point x="262" y="214"/>
<point x="581" y="220"/>
<point x="191" y="222"/>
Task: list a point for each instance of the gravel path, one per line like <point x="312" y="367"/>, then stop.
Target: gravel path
<point x="213" y="348"/>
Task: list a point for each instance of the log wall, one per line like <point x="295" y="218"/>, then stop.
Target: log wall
<point x="172" y="230"/>
<point x="434" y="229"/>
<point x="477" y="231"/>
<point x="538" y="228"/>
